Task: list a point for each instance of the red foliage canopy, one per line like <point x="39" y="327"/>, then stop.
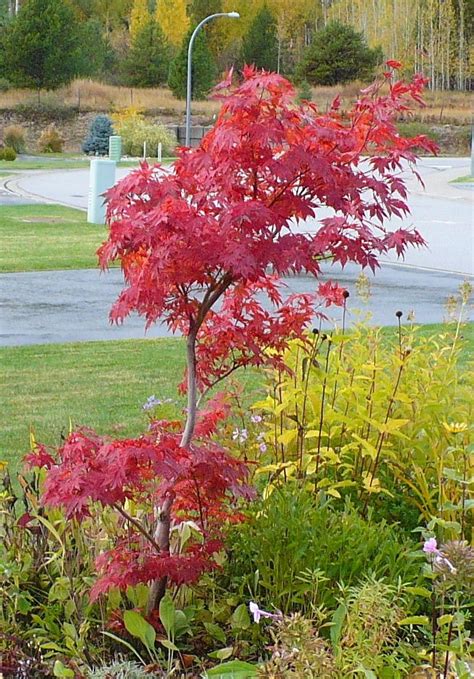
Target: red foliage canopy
<point x="203" y="480"/>
<point x="224" y="216"/>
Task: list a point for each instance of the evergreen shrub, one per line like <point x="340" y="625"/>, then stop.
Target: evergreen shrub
<point x="97" y="140"/>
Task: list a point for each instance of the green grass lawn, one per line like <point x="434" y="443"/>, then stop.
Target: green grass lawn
<point x="45" y="237"/>
<point x="466" y="179"/>
<point x="101" y="385"/>
<point x="61" y="162"/>
<point x="96" y="384"/>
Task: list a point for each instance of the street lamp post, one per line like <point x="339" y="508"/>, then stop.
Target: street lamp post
<point x="231" y="15"/>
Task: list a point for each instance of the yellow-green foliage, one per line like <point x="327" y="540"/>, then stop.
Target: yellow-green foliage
<point x="377" y="416"/>
<point x="134" y="129"/>
<point x="171" y="16"/>
<point x="50" y="140"/>
<point x="139" y="16"/>
<point x="14" y="137"/>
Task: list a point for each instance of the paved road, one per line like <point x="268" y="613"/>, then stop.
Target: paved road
<point x="443" y="213"/>
<point x="66" y="306"/>
<point x="63" y="306"/>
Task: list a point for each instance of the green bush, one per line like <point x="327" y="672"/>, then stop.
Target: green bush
<point x="45" y="575"/>
<point x="338" y="54"/>
<point x="374" y="417"/>
<point x="7" y="153"/>
<point x="97" y="140"/>
<point x="50" y="140"/>
<point x="135" y="130"/>
<point x="293" y="553"/>
<point x="14" y="137"/>
<point x="5" y="85"/>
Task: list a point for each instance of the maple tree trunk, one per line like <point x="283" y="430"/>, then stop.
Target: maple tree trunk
<point x="192" y="390"/>
<point x="163" y="525"/>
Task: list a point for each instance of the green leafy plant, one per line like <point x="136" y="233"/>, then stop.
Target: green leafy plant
<point x="370" y="615"/>
<point x="293" y="551"/>
<point x="450" y="570"/>
<point x="176" y="623"/>
<point x="7" y="153"/>
<point x="45" y="575"/>
<point x="383" y="420"/>
<point x="135" y="130"/>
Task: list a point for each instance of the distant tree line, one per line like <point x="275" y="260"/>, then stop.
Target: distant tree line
<point x="143" y="43"/>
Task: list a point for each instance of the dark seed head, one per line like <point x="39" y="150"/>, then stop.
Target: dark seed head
<point x="315" y="331"/>
<point x="346" y="294"/>
<point x="399" y="314"/>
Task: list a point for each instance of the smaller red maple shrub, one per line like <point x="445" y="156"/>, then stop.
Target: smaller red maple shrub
<point x="203" y="481"/>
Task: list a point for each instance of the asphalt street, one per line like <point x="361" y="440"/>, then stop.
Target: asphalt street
<point x="62" y="306"/>
<point x="67" y="306"/>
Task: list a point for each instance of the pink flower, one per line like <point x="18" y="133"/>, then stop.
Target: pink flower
<point x="258" y="613"/>
<point x="431" y="546"/>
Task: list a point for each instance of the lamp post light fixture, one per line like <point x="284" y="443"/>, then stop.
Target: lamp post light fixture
<point x="231" y="15"/>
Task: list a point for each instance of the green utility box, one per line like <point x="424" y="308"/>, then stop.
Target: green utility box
<point x="115" y="148"/>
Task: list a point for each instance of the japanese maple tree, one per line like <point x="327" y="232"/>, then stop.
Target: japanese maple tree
<point x="203" y="246"/>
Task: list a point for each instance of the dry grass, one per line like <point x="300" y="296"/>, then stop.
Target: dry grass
<point x="442" y="107"/>
<point x="95" y="96"/>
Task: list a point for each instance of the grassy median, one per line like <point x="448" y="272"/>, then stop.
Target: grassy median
<point x="104" y="385"/>
<point x="95" y="384"/>
<point x="47" y="237"/>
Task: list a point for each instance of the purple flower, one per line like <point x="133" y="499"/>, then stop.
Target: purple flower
<point x="431" y="546"/>
<point x="263" y="447"/>
<point x="256" y="419"/>
<point x="258" y="613"/>
<point x="240" y="435"/>
<point x="151" y="403"/>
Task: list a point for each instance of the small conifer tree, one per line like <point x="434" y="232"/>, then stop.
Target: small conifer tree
<point x="97" y="140"/>
<point x="147" y="63"/>
<point x="40" y="46"/>
<point x="338" y="54"/>
<point x="260" y="45"/>
<point x="203" y="68"/>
